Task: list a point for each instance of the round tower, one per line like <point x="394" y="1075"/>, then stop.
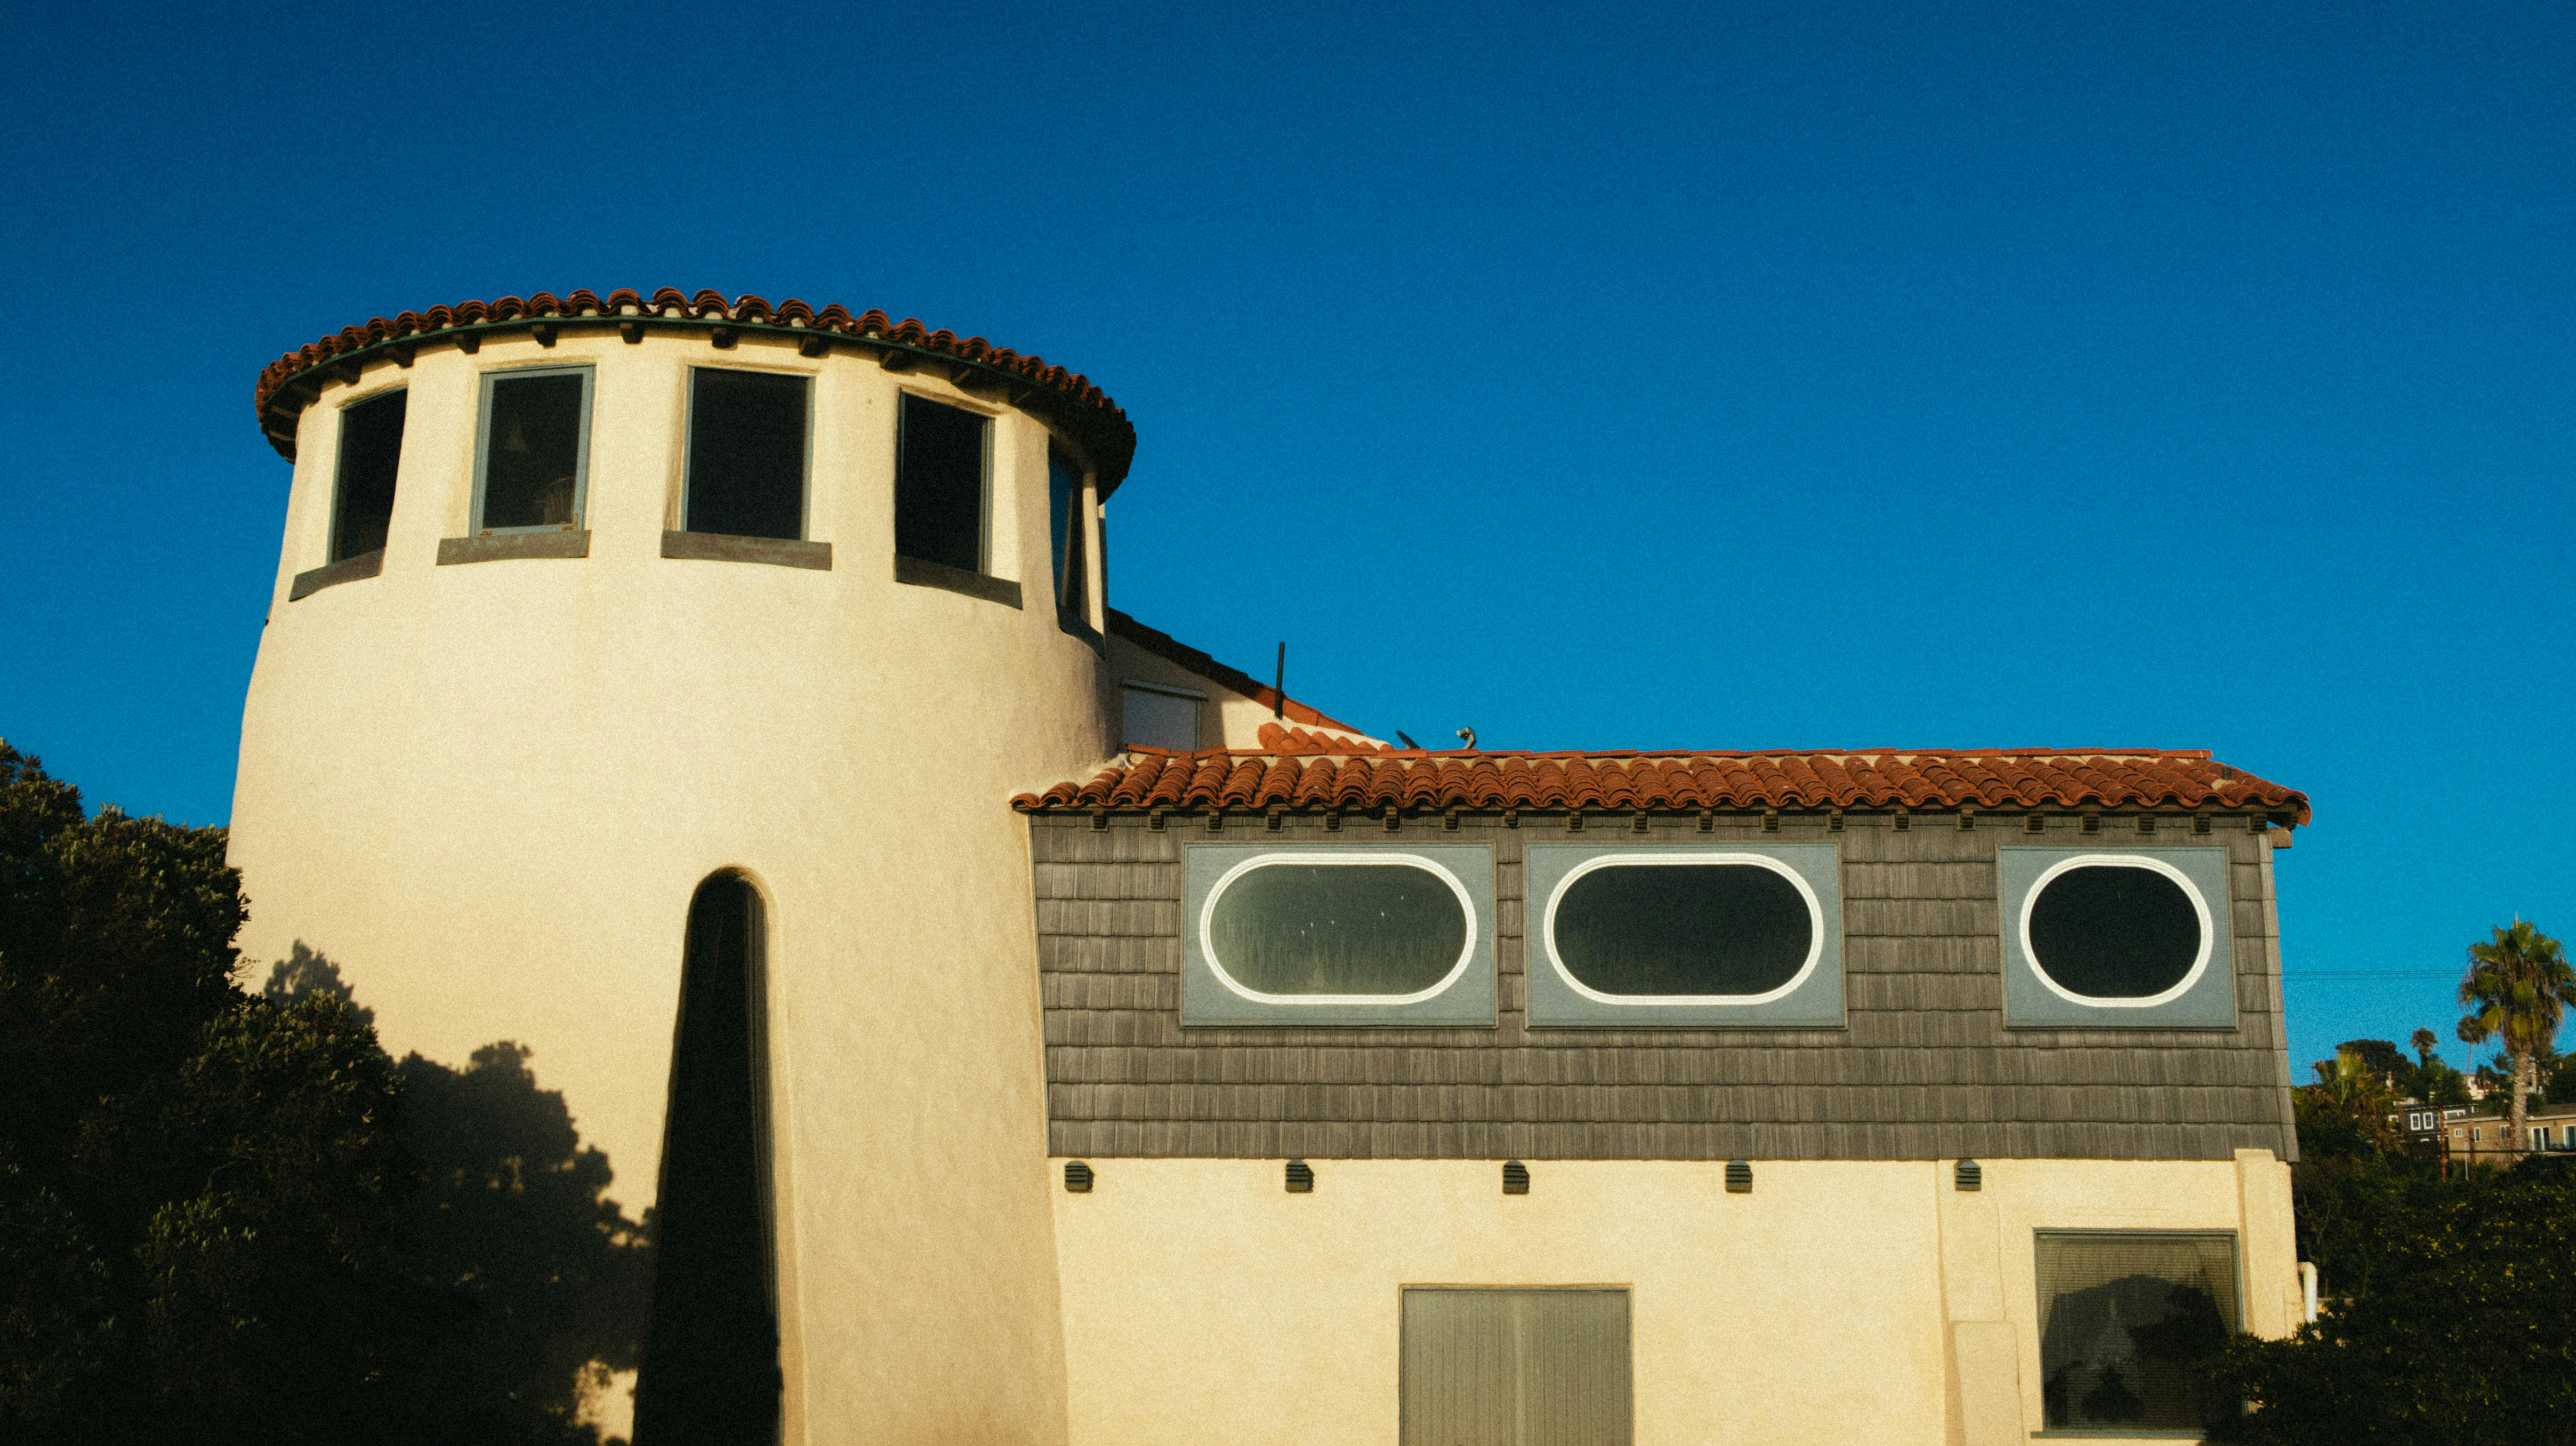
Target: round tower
<point x="591" y="608"/>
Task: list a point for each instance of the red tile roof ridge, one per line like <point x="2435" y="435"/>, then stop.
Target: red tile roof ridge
<point x="1116" y="434"/>
<point x="1171" y="649"/>
<point x="1993" y="778"/>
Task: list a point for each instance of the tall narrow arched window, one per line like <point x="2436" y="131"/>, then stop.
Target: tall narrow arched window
<point x="710" y="1370"/>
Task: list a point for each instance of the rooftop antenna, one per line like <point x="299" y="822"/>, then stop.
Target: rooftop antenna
<point x="1279" y="685"/>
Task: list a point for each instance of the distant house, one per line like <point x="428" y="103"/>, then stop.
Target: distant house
<point x="1031" y="1030"/>
<point x="2481" y="1138"/>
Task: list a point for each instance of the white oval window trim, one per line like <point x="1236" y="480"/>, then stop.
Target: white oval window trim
<point x="2190" y="890"/>
<point x="1806" y="970"/>
<point x="1216" y="891"/>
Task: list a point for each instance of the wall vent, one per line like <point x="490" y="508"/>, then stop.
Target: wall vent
<point x="1970" y="1176"/>
<point x="1739" y="1177"/>
<point x="1077" y="1178"/>
<point x="1515" y="1178"/>
<point x="2034" y="823"/>
<point x="1301" y="1178"/>
<point x="2092" y="823"/>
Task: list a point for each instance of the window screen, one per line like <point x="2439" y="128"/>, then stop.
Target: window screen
<point x="1064" y="517"/>
<point x="1516" y="1367"/>
<point x="1342" y="928"/>
<point x="536" y="428"/>
<point x="1701" y="929"/>
<point x="362" y="504"/>
<point x="2124" y="1320"/>
<point x="939" y="484"/>
<point x="1159" y="719"/>
<point x="2114" y="931"/>
<point x="746" y="473"/>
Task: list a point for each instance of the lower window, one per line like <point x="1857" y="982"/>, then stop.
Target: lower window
<point x="1544" y="1367"/>
<point x="2127" y="1319"/>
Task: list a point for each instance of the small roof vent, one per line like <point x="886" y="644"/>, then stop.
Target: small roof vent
<point x="1971" y="1175"/>
<point x="1077" y="1178"/>
<point x="1739" y="1177"/>
<point x="1301" y="1178"/>
<point x="1515" y="1178"/>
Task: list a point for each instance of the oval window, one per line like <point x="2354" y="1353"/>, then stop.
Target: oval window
<point x="2129" y="930"/>
<point x="1692" y="929"/>
<point x="1317" y="931"/>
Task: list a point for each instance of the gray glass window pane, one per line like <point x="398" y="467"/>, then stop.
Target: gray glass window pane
<point x="1159" y="720"/>
<point x="939" y="485"/>
<point x="2114" y="932"/>
<point x="1693" y="929"/>
<point x="1338" y="929"/>
<point x="746" y="453"/>
<point x="2124" y="1321"/>
<point x="1064" y="520"/>
<point x="370" y="450"/>
<point x="532" y="461"/>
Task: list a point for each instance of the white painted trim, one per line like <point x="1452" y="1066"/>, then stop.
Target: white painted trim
<point x="1806" y="970"/>
<point x="2191" y="891"/>
<point x="1216" y="891"/>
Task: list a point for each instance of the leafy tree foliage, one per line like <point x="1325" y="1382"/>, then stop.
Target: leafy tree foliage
<point x="2450" y="1301"/>
<point x="2381" y="1058"/>
<point x="227" y="1218"/>
<point x="2465" y="1336"/>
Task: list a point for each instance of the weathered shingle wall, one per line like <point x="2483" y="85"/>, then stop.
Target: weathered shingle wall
<point x="1924" y="1069"/>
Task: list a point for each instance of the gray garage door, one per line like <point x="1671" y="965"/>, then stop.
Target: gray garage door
<point x="1515" y="1367"/>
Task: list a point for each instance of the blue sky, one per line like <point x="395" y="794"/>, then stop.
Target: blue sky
<point x="1845" y="376"/>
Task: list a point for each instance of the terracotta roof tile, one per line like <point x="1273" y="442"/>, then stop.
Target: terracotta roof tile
<point x="277" y="398"/>
<point x="1368" y="779"/>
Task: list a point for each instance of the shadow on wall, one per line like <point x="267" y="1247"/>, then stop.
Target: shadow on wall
<point x="513" y="1216"/>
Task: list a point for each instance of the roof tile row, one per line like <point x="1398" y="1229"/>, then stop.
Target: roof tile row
<point x="706" y="305"/>
<point x="1685" y="781"/>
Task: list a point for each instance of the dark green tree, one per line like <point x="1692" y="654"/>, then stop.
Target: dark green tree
<point x="2464" y="1336"/>
<point x="227" y="1218"/>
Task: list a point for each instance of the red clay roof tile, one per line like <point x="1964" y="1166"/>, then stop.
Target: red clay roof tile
<point x="276" y="401"/>
<point x="1995" y="778"/>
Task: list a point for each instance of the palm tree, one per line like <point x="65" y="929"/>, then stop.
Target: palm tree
<point x="2362" y="1094"/>
<point x="2423" y="1040"/>
<point x="2517" y="987"/>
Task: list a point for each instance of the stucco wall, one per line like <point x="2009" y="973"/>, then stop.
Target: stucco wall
<point x="1204" y="1303"/>
<point x="488" y="791"/>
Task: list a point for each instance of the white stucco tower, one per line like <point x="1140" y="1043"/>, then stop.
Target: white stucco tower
<point x="506" y="719"/>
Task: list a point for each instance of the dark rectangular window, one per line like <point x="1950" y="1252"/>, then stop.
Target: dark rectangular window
<point x="2127" y="1321"/>
<point x="536" y="444"/>
<point x="939" y="484"/>
<point x="746" y="453"/>
<point x="1064" y="515"/>
<point x="362" y="502"/>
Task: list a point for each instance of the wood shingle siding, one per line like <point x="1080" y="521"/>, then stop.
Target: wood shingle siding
<point x="1924" y="1068"/>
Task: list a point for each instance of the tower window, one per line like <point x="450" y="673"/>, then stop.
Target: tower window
<point x="746" y="474"/>
<point x="362" y="502"/>
<point x="942" y="457"/>
<point x="1065" y="518"/>
<point x="535" y="449"/>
